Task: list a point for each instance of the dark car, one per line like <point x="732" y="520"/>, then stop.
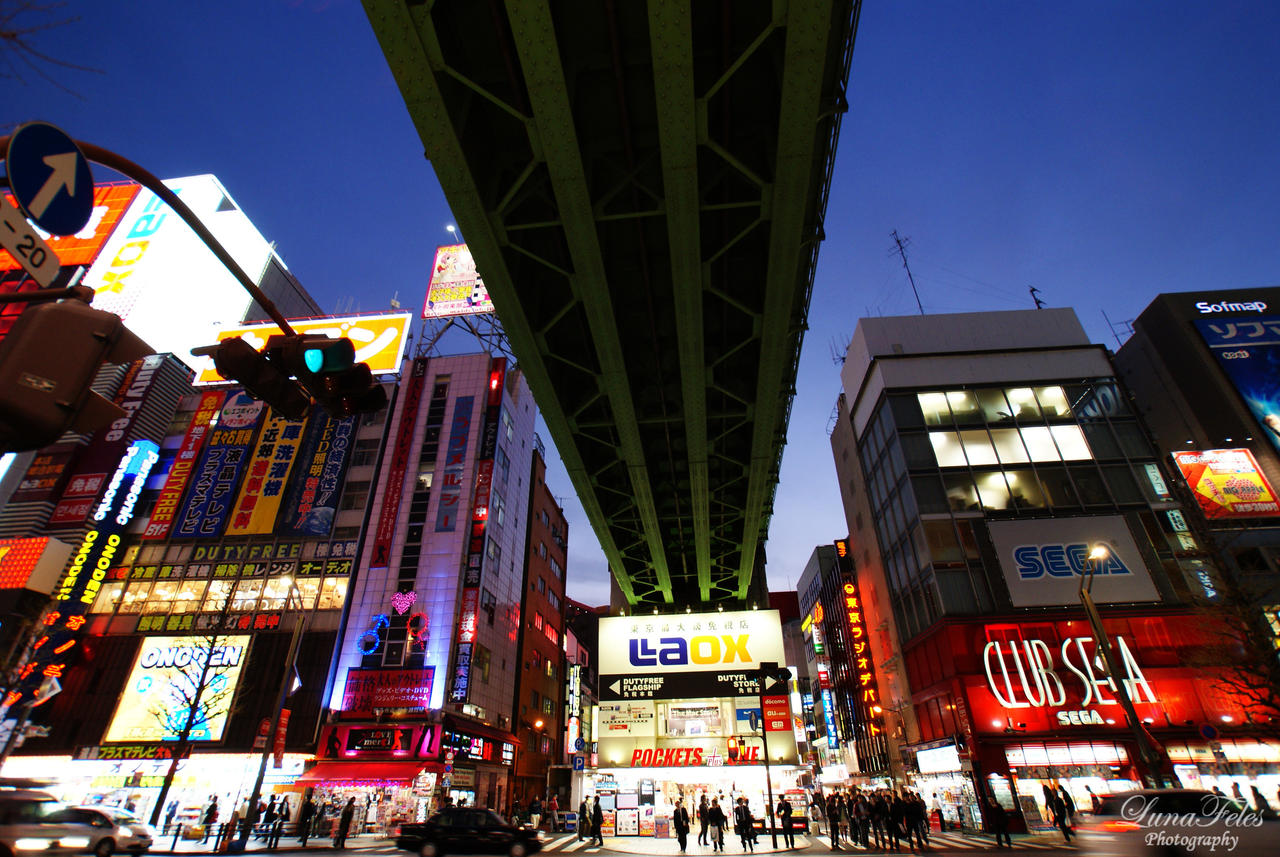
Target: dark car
<point x="467" y="830"/>
<point x="1177" y="822"/>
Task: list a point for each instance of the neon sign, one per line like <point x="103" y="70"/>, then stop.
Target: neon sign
<point x="867" y="692"/>
<point x="1038" y="684"/>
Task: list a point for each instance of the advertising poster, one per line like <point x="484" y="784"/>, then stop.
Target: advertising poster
<point x="455" y="288"/>
<point x="109" y="203"/>
<point x="159" y="695"/>
<point x="455" y="460"/>
<point x="44" y="477"/>
<point x="399" y="466"/>
<point x="213" y="489"/>
<point x="1228" y="483"/>
<point x="263" y="488"/>
<point x="1043" y="561"/>
<point x="162" y="516"/>
<point x="625" y="719"/>
<point x="366" y="690"/>
<point x="1248" y="349"/>
<point x="311" y="501"/>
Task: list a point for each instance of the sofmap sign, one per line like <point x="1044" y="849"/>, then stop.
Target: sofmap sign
<point x="1207" y="308"/>
<point x="1043" y="561"/>
<point x="1247" y="350"/>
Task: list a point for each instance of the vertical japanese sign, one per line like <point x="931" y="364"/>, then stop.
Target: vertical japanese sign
<point x="455" y="459"/>
<point x="260" y="496"/>
<point x="165" y="511"/>
<point x="52" y="653"/>
<point x="390" y="510"/>
<point x="472" y="575"/>
<point x="209" y="502"/>
<point x="312" y="501"/>
<point x="866" y="700"/>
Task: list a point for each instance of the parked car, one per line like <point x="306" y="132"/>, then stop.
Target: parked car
<point x="467" y="830"/>
<point x="29" y="827"/>
<point x="114" y="828"/>
<point x="1176" y="821"/>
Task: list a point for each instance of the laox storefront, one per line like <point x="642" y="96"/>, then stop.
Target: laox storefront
<point x="680" y="716"/>
<point x="1024" y="706"/>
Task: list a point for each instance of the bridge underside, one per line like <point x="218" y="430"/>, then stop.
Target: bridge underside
<point x="643" y="187"/>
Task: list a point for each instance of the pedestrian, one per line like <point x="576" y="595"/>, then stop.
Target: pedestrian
<point x="784" y="819"/>
<point x="680" y="821"/>
<point x="584" y="818"/>
<point x="833" y="820"/>
<point x="916" y="821"/>
<point x="742" y="824"/>
<point x="1095" y="802"/>
<point x="344" y="824"/>
<point x="553" y="810"/>
<point x="703" y="808"/>
<point x="597" y="823"/>
<point x="210" y="818"/>
<point x="879" y="821"/>
<point x="897" y="821"/>
<point x="305" y="814"/>
<point x="1059" y="809"/>
<point x="715" y="824"/>
<point x="169" y="814"/>
<point x="999" y="823"/>
<point x="535" y="812"/>
<point x="1070" y="803"/>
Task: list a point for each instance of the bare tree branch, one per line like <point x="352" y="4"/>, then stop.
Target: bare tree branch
<point x="20" y="22"/>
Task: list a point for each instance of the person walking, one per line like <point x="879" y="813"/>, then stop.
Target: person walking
<point x="680" y="821"/>
<point x="915" y="820"/>
<point x="210" y="818"/>
<point x="1059" y="809"/>
<point x="897" y="818"/>
<point x="703" y="808"/>
<point x="879" y="818"/>
<point x="597" y="823"/>
<point x="999" y="823"/>
<point x="584" y="818"/>
<point x="344" y="824"/>
<point x="535" y="812"/>
<point x="553" y="810"/>
<point x="742" y="824"/>
<point x="305" y="814"/>
<point x="833" y="820"/>
<point x="1070" y="804"/>
<point x="715" y="824"/>
<point x="784" y="818"/>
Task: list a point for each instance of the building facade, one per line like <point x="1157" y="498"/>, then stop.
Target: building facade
<point x="981" y="456"/>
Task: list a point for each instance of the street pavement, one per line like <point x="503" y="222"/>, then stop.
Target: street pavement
<point x="648" y="845"/>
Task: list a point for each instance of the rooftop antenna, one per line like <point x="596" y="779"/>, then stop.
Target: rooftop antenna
<point x="395" y="300"/>
<point x="1035" y="296"/>
<point x="837" y="353"/>
<point x="1126" y="326"/>
<point x="902" y="251"/>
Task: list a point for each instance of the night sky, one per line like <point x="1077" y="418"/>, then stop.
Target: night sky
<point x="1103" y="152"/>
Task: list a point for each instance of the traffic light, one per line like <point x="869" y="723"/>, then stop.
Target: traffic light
<point x="237" y="360"/>
<point x="327" y="368"/>
<point x="48" y="362"/>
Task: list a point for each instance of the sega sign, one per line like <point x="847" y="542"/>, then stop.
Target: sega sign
<point x="1043" y="561"/>
<point x="714" y="644"/>
<point x="1064" y="560"/>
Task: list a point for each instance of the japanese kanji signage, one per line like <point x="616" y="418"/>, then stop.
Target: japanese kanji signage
<point x="230" y="444"/>
<point x="866" y="699"/>
<point x="455" y="460"/>
<point x="263" y="488"/>
<point x="399" y="466"/>
<point x="162" y="516"/>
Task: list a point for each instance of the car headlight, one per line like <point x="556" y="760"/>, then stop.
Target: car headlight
<point x="32" y="844"/>
<point x="124" y="832"/>
<point x="74" y="842"/>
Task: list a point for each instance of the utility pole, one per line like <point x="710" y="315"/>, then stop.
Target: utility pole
<point x="902" y="251"/>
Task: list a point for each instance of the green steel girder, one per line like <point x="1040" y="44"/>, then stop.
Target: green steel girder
<point x="642" y="185"/>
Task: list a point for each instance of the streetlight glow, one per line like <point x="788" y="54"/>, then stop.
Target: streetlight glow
<point x="1099" y="552"/>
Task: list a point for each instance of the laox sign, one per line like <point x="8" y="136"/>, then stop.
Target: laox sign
<point x="677" y="651"/>
<point x="1027" y="678"/>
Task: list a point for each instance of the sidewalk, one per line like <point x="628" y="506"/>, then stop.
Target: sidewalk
<point x="288" y="845"/>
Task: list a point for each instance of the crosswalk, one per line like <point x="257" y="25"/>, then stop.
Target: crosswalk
<point x="569" y="842"/>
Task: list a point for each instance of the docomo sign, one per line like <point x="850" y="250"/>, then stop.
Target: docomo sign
<point x="1039" y="685"/>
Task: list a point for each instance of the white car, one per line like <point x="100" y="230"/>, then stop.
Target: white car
<point x="30" y="827"/>
<point x="114" y="828"/>
<point x="1177" y="821"/>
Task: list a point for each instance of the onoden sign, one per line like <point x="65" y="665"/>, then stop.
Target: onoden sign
<point x="155" y="701"/>
<point x="379" y="340"/>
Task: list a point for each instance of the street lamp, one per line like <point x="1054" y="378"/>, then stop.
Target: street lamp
<point x="1149" y="756"/>
<point x="286" y="682"/>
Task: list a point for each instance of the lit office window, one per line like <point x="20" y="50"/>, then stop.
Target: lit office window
<point x="246" y="595"/>
<point x="135" y="596"/>
<point x="333" y="593"/>
<point x="161" y="597"/>
<point x="189" y="595"/>
<point x="108" y="597"/>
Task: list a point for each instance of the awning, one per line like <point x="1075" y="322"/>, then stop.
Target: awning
<point x="366" y="773"/>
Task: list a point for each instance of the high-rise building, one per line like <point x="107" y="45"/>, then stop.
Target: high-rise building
<point x="981" y="458"/>
<point x="540" y="676"/>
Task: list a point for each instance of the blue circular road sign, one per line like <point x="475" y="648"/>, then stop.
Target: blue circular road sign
<point x="50" y="178"/>
<point x="579" y="743"/>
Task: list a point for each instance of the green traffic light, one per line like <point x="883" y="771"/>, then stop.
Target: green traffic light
<point x="314" y="358"/>
<point x="328" y="355"/>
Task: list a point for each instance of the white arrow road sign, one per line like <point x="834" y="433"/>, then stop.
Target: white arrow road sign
<point x="31" y="251"/>
<point x="63" y="176"/>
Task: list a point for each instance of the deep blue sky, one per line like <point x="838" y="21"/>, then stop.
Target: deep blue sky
<point x="1102" y="151"/>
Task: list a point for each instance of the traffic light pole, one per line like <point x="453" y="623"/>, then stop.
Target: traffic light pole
<point x="128" y="168"/>
<point x="765" y="670"/>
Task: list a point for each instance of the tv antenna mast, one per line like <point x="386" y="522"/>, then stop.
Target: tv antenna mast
<point x="902" y="251"/>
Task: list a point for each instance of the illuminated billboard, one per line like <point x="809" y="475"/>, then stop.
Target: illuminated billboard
<point x="379" y="340"/>
<point x="32" y="563"/>
<point x="1248" y="349"/>
<point x="455" y="287"/>
<point x="690" y="656"/>
<point x="109" y="204"/>
<point x="162" y="688"/>
<point x="154" y="269"/>
<point x="1228" y="483"/>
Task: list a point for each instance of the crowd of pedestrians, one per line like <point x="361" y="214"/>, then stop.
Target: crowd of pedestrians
<point x="883" y="819"/>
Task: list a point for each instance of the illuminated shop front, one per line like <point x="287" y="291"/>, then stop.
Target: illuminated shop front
<point x="1016" y="707"/>
<point x="661" y="739"/>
